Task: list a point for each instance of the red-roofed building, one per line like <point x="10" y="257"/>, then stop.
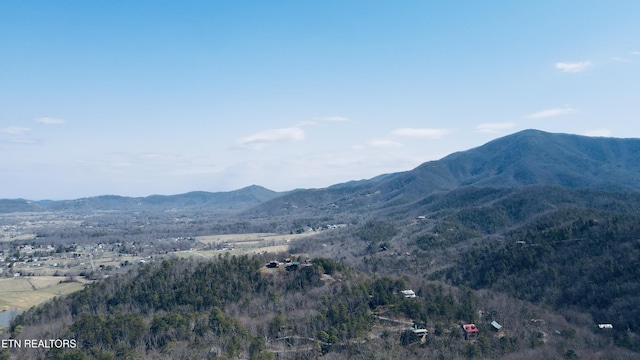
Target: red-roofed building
<point x="470" y="331"/>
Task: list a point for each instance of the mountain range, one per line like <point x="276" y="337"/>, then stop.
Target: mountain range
<point x="526" y="158"/>
<point x="529" y="157"/>
<point x="191" y="201"/>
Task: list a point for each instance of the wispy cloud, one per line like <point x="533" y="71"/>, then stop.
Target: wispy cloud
<point x="552" y="113"/>
<point x="620" y="59"/>
<point x="573" y="67"/>
<point x="494" y="128"/>
<point x="635" y="53"/>
<point x="21" y="141"/>
<point x="332" y="118"/>
<point x="261" y="139"/>
<point x="50" y="121"/>
<point x="423" y="133"/>
<point x="384" y="143"/>
<point x="598" y="132"/>
<point x="294" y="133"/>
<point x="15" y="130"/>
<point x="307" y="123"/>
<point x="316" y="121"/>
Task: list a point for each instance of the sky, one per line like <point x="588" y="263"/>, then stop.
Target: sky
<point x="135" y="98"/>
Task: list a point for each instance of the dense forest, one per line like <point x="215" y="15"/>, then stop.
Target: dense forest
<point x="584" y="260"/>
<point x="234" y="307"/>
<point x="573" y="251"/>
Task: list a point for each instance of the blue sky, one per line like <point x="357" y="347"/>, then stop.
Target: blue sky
<point x="156" y="97"/>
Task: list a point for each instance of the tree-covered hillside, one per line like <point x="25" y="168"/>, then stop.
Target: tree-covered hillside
<point x="234" y="307"/>
<point x="571" y="260"/>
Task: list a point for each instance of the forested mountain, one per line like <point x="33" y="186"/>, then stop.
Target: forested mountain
<point x="530" y="157"/>
<point x="570" y="259"/>
<point x="536" y="157"/>
<point x="571" y="250"/>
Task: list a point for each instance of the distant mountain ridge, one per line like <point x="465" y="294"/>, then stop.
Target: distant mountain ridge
<point x="191" y="201"/>
<point x="529" y="157"/>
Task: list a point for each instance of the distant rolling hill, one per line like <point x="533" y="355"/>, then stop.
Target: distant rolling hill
<point x="192" y="201"/>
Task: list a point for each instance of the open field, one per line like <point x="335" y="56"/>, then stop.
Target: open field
<point x="250" y="237"/>
<point x="211" y="254"/>
<point x="17" y="237"/>
<point x="246" y="243"/>
<point x="24" y="292"/>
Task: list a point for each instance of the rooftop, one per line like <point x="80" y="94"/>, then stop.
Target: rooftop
<point x="470" y="328"/>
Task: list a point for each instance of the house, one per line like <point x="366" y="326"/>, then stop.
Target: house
<point x="408" y="293"/>
<point x="419" y="329"/>
<point x="470" y="331"/>
<point x="605" y="326"/>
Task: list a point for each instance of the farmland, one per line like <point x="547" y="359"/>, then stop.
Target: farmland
<point x="24" y="292"/>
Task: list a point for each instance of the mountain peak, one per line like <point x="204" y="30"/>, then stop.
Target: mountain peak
<point x="537" y="157"/>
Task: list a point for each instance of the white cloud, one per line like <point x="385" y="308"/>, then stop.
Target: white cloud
<point x="635" y="53"/>
<point x="15" y="130"/>
<point x="552" y="113"/>
<point x="494" y="128"/>
<point x="261" y="139"/>
<point x="384" y="143"/>
<point x="573" y="67"/>
<point x="598" y="132"/>
<point x="424" y="133"/>
<point x="50" y="121"/>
